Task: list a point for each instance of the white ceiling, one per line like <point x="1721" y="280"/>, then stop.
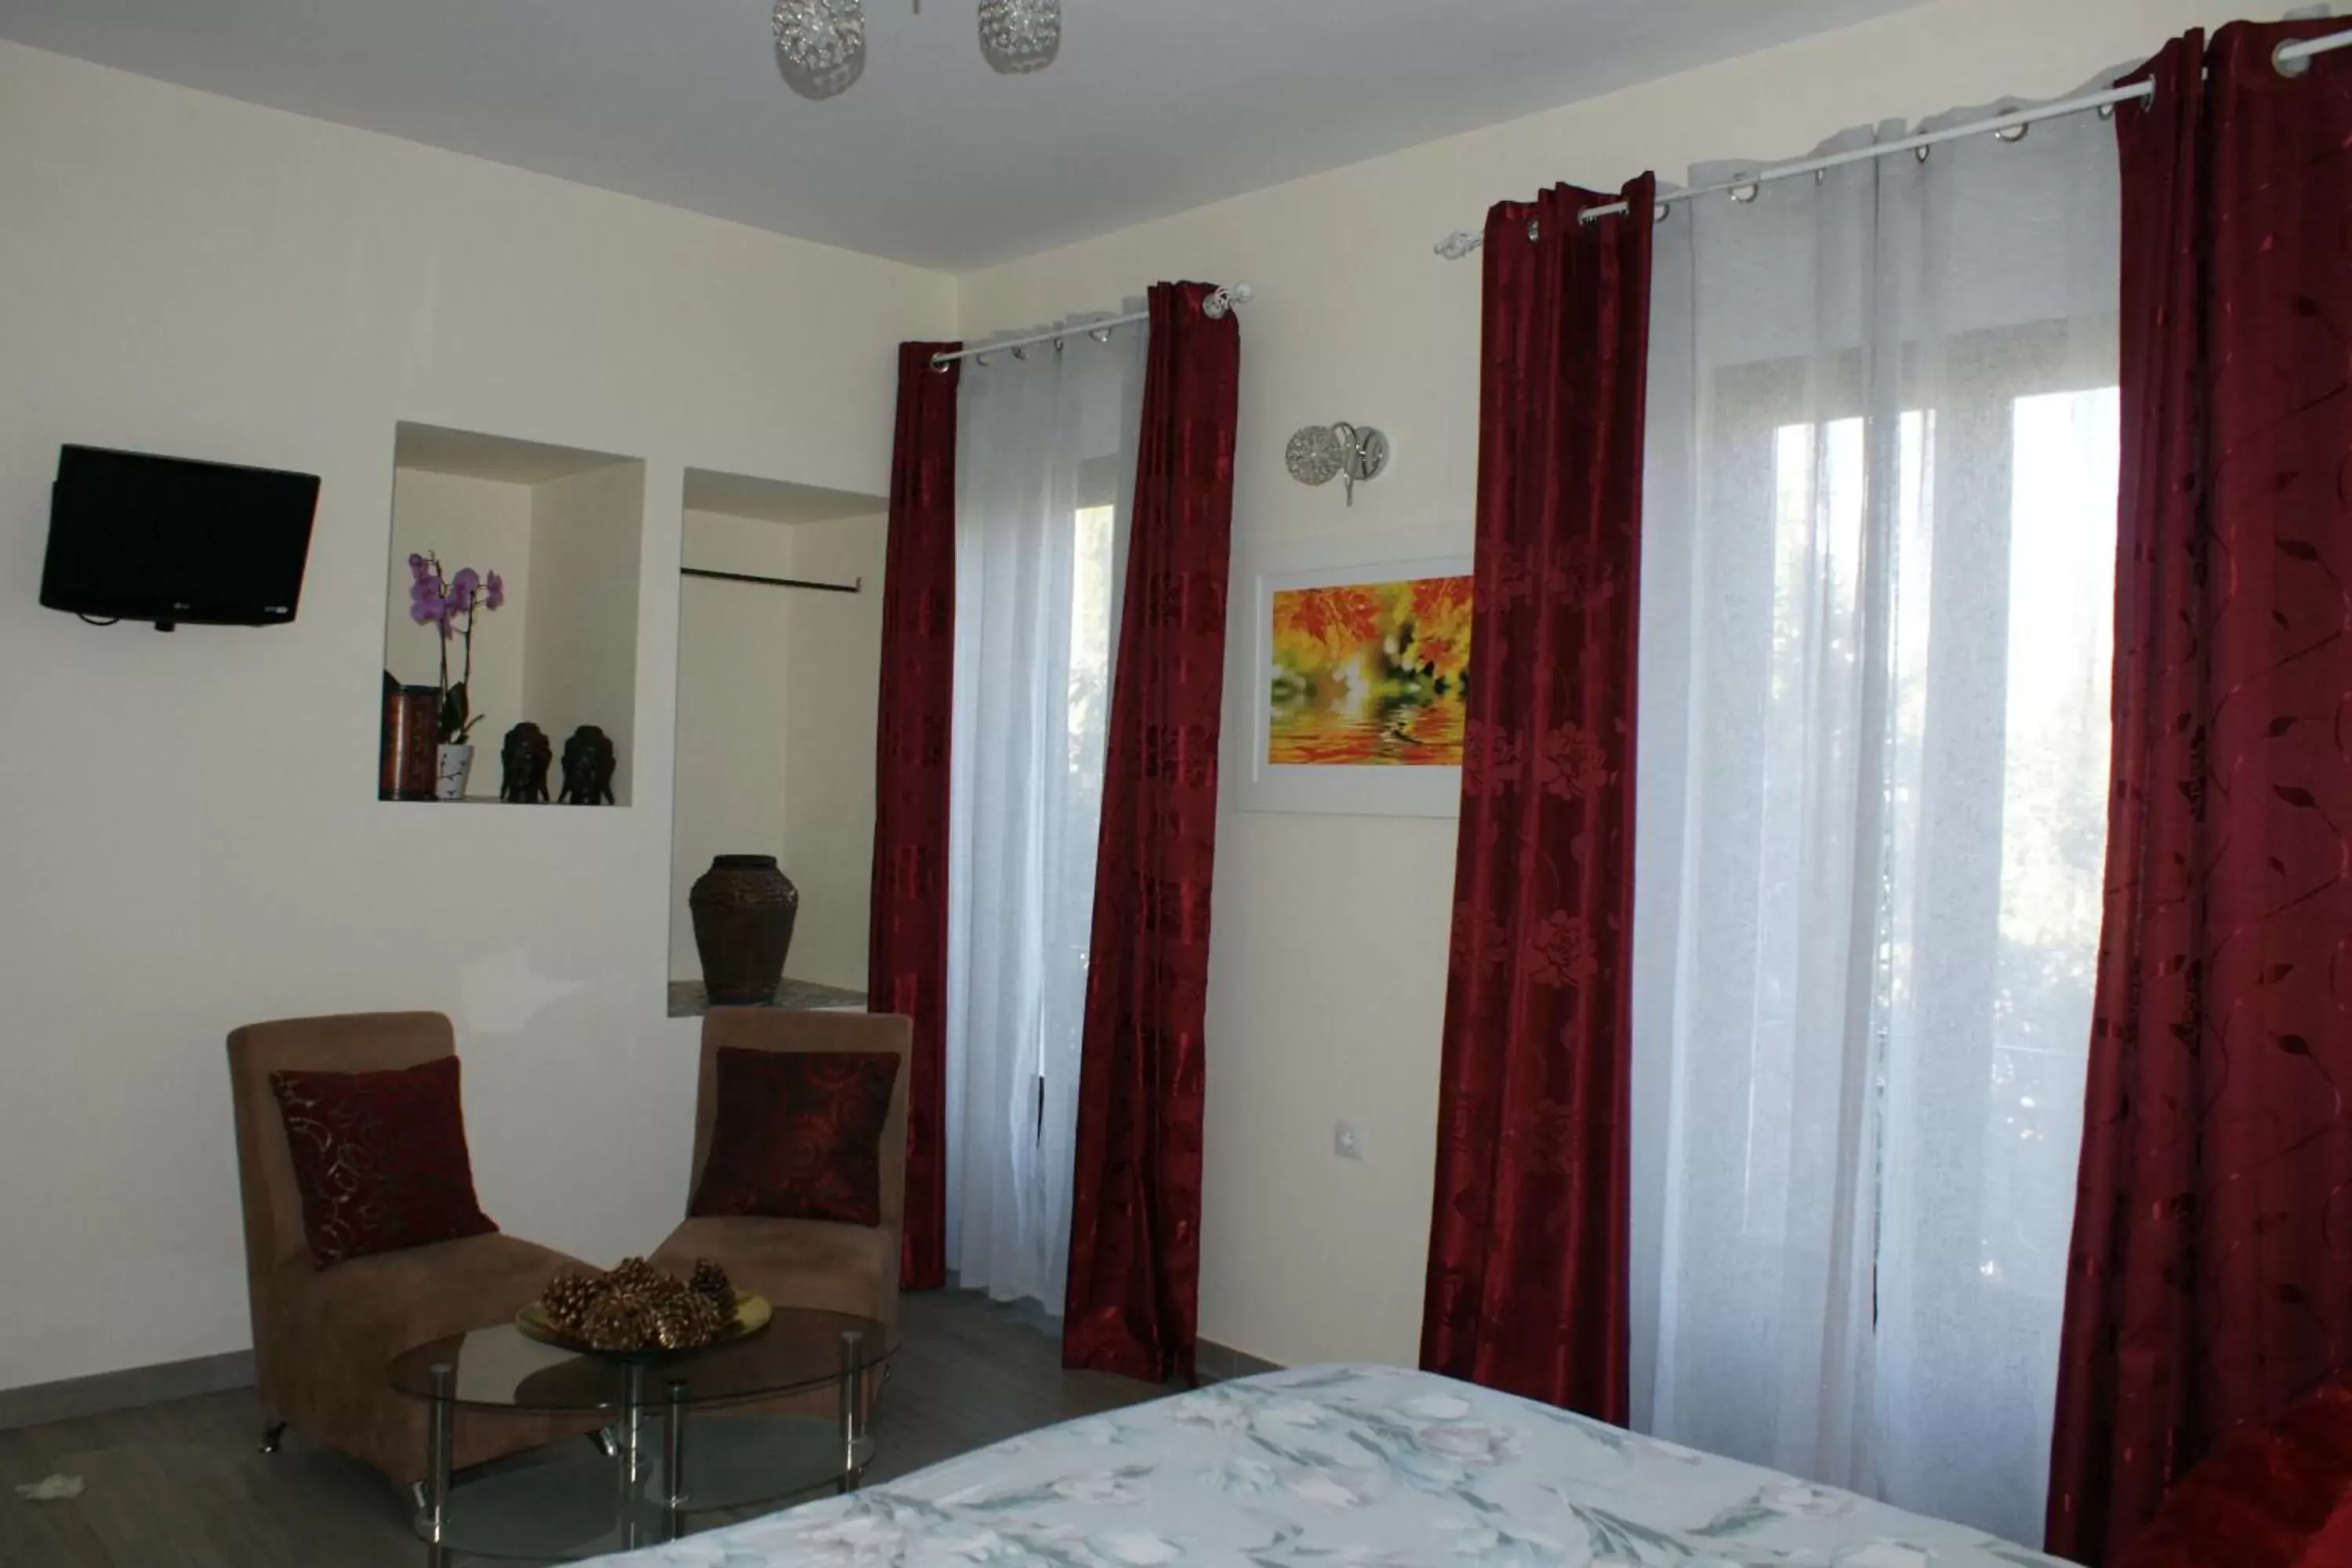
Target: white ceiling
<point x="1156" y="105"/>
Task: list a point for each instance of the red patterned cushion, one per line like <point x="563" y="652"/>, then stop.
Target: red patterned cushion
<point x="380" y="1158"/>
<point x="798" y="1135"/>
<point x="2275" y="1496"/>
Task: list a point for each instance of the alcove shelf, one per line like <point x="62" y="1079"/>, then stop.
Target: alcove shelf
<point x="689" y="999"/>
<point x="564" y="529"/>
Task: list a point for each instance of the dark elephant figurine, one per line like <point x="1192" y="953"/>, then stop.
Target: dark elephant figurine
<point x="526" y="756"/>
<point x="589" y="763"/>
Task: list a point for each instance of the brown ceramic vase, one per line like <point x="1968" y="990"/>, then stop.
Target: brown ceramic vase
<point x="744" y="907"/>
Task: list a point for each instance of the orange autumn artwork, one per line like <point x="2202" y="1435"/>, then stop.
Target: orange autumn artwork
<point x="1370" y="675"/>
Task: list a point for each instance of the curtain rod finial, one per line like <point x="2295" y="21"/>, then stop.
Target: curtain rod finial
<point x="1459" y="244"/>
<point x="1219" y="304"/>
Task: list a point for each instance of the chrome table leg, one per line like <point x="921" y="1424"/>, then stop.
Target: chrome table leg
<point x="437" y="1445"/>
<point x="632" y="1457"/>
<point x="271" y="1435"/>
<point x="674" y="1466"/>
<point x="853" y="1389"/>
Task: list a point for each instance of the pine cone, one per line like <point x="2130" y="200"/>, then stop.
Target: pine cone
<point x="670" y="1329"/>
<point x="568" y="1297"/>
<point x="617" y="1323"/>
<point x="710" y="1283"/>
<point x="707" y="1312"/>
<point x="685" y="1322"/>
<point x="636" y="1274"/>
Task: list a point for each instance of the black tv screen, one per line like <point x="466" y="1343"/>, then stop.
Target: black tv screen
<point x="140" y="538"/>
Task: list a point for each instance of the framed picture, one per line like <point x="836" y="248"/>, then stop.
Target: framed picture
<point x="1354" y="690"/>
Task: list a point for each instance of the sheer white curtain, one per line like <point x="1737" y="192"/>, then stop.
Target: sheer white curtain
<point x="1878" y="600"/>
<point x="1045" y="448"/>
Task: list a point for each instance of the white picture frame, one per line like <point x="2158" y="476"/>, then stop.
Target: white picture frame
<point x="1255" y="783"/>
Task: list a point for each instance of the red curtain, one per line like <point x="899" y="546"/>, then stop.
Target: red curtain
<point x="1135" y="1225"/>
<point x="2275" y="1494"/>
<point x="906" y="961"/>
<point x="1526" y="1287"/>
<point x="2210" y="1281"/>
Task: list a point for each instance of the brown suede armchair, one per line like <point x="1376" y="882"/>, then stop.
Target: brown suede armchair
<point x="322" y="1337"/>
<point x="816" y="1264"/>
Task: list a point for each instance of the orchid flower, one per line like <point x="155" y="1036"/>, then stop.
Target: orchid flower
<point x="435" y="600"/>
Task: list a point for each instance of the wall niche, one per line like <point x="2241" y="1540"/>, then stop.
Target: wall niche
<point x="779" y="675"/>
<point x="565" y="529"/>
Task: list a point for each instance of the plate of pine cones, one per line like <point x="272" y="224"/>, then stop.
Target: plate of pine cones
<point x="638" y="1311"/>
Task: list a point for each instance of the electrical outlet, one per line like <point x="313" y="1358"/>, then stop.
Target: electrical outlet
<point x="1348" y="1139"/>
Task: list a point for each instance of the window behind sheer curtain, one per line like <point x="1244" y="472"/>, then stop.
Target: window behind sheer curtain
<point x="1878" y="579"/>
<point x="1046" y="453"/>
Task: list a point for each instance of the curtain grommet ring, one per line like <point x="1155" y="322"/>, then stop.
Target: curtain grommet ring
<point x="2290" y="65"/>
<point x="1534" y="230"/>
<point x="2012" y="134"/>
<point x="1747" y="192"/>
<point x="1921" y="153"/>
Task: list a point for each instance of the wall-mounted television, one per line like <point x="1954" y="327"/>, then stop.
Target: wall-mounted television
<point x="140" y="538"/>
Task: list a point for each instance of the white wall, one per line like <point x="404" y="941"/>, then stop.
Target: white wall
<point x="195" y="842"/>
<point x="1328" y="989"/>
<point x="833" y="675"/>
<point x="484" y="524"/>
<point x="776" y="707"/>
<point x="580" y="665"/>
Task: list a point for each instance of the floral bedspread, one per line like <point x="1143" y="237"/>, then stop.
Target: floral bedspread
<point x="1340" y="1466"/>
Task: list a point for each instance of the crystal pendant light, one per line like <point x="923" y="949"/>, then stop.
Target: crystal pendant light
<point x="1020" y="36"/>
<point x="821" y="44"/>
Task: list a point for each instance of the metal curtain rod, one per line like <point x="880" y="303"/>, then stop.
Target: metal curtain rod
<point x="1218" y="306"/>
<point x="856" y="587"/>
<point x="2292" y="58"/>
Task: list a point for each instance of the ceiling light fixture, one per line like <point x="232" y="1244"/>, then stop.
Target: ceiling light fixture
<point x="821" y="44"/>
<point x="1020" y="36"/>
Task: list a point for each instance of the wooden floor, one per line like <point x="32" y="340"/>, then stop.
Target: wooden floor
<point x="183" y="1486"/>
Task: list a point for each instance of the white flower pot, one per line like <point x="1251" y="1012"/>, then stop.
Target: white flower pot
<point x="456" y="764"/>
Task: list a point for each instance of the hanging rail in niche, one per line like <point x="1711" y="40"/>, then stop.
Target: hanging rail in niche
<point x="856" y="587"/>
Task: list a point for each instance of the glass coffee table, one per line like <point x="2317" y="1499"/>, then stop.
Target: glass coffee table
<point x="625" y="1494"/>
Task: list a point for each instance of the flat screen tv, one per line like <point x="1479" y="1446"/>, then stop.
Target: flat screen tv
<point x="167" y="539"/>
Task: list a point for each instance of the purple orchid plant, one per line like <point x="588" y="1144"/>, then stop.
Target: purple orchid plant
<point x="452" y="603"/>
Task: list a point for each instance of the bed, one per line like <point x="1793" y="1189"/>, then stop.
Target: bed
<point x="1340" y="1466"/>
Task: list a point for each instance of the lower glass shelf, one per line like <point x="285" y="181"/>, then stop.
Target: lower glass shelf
<point x="561" y="1509"/>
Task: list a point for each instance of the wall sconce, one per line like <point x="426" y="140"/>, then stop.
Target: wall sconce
<point x="1321" y="453"/>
